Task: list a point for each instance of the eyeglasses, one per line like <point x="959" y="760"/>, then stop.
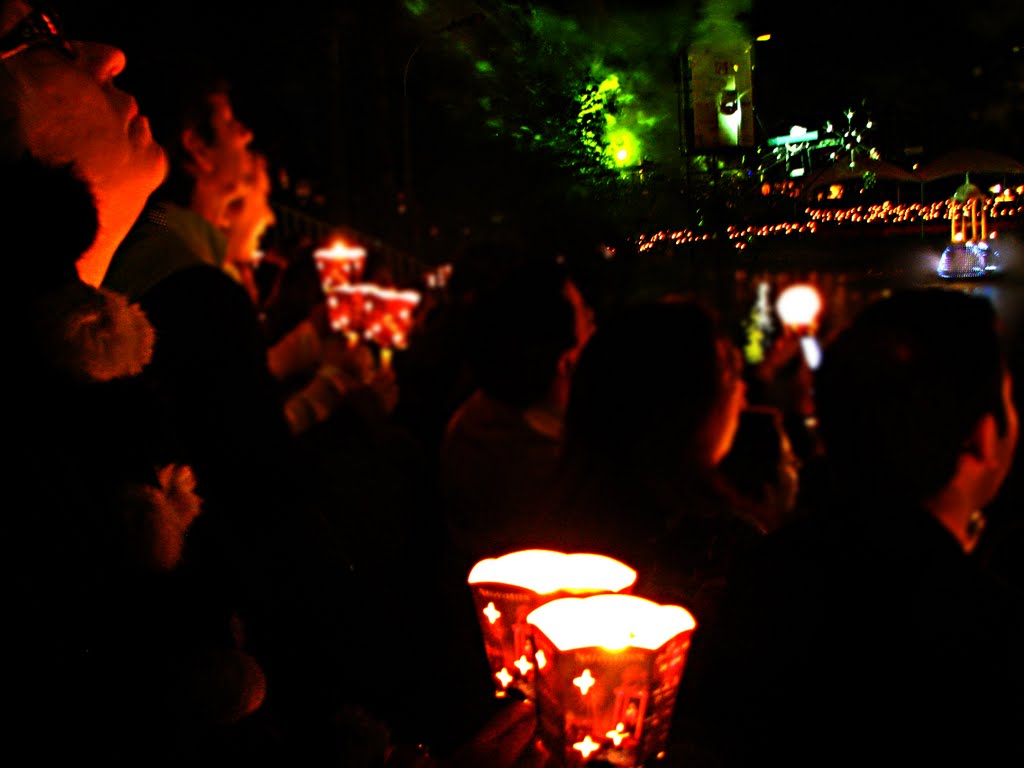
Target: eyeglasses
<point x="37" y="28"/>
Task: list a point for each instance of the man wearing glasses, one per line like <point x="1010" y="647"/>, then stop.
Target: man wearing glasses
<point x="67" y="109"/>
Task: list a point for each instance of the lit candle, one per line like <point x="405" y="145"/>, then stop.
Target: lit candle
<point x="340" y="264"/>
<point x="613" y="667"/>
<point x="507" y="588"/>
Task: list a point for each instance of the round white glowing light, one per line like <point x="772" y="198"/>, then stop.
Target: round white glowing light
<point x="544" y="571"/>
<point x="799" y="305"/>
<point x="613" y="622"/>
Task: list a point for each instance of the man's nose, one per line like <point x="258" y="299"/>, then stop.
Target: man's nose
<point x="105" y="62"/>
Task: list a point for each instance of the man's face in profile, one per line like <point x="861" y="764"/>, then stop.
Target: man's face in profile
<point x="70" y="111"/>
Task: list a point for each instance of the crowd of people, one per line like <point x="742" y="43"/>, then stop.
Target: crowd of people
<point x="245" y="537"/>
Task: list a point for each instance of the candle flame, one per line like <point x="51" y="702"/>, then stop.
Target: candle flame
<point x="341" y="250"/>
<point x="610" y="621"/>
<point x="544" y="571"/>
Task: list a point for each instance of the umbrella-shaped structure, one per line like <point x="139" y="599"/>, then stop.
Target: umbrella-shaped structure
<point x="844" y="171"/>
<point x="961" y="162"/>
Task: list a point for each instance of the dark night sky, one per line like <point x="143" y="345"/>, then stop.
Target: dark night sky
<point x="321" y="82"/>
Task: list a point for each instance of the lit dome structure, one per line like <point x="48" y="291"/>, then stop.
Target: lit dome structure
<point x="969" y="253"/>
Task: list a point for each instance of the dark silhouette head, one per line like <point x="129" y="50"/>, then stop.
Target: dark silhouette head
<point x="521" y="327"/>
<point x="656" y="389"/>
<point x="900" y="391"/>
<point x="181" y="105"/>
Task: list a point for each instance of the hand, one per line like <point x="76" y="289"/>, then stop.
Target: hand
<point x="507" y="740"/>
<point x="354" y="362"/>
<point x="385" y="386"/>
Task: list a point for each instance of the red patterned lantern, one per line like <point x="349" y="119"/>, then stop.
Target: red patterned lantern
<point x="506" y="589"/>
<point x="346" y="308"/>
<point x="341" y="264"/>
<point x="608" y="671"/>
<point x="389" y="315"/>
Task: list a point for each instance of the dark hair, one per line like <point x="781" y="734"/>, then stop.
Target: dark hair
<point x="900" y="390"/>
<point x="520" y="327"/>
<point x="48" y="224"/>
<point x="182" y="103"/>
<point x="645" y="387"/>
<point x="753" y="460"/>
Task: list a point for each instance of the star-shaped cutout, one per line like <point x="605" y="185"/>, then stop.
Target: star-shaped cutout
<point x="491" y="613"/>
<point x="586" y="746"/>
<point x="617" y="735"/>
<point x="542" y="660"/>
<point x="523" y="665"/>
<point x="584" y="682"/>
<point x="504" y="677"/>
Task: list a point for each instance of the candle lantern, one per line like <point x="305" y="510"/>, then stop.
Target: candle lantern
<point x="346" y="308"/>
<point x="799" y="306"/>
<point x="507" y="588"/>
<point x="341" y="264"/>
<point x="608" y="672"/>
<point x="389" y="315"/>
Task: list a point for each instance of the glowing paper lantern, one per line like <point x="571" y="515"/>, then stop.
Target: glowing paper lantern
<point x="346" y="308"/>
<point x="389" y="315"/>
<point x="340" y="264"/>
<point x="799" y="306"/>
<point x="366" y="310"/>
<point x="506" y="589"/>
<point x="608" y="671"/>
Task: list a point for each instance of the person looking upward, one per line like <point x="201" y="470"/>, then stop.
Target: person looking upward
<point x="68" y="110"/>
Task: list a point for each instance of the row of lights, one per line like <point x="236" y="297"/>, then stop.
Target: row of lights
<point x="882" y="213"/>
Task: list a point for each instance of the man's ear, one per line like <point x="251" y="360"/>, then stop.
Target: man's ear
<point x="198" y="150"/>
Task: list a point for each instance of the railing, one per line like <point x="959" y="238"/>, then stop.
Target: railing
<point x="293" y="225"/>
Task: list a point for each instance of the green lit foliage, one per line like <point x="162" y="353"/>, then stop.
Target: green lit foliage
<point x="416" y="7"/>
<point x="587" y="104"/>
<point x="611" y="123"/>
<point x="597" y="100"/>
